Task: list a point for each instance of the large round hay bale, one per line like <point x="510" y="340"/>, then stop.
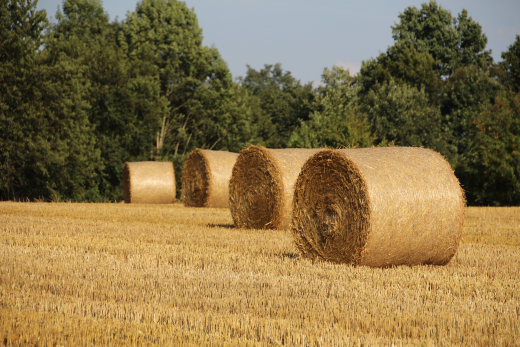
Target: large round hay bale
<point x="149" y="182"/>
<point x="205" y="178"/>
<point x="262" y="186"/>
<point x="378" y="207"/>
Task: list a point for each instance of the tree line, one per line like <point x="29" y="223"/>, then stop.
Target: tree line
<point x="82" y="95"/>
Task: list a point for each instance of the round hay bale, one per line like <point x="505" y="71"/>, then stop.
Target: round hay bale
<point x="262" y="186"/>
<point x="205" y="178"/>
<point x="149" y="182"/>
<point x="378" y="207"/>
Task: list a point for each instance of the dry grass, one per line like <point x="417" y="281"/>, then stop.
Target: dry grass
<point x="492" y="226"/>
<point x="115" y="274"/>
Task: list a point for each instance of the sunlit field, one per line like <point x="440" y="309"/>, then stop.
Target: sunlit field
<point x="139" y="275"/>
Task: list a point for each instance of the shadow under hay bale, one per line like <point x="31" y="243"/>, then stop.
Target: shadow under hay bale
<point x="205" y="178"/>
<point x="149" y="182"/>
<point x="262" y="185"/>
<point x="378" y="207"/>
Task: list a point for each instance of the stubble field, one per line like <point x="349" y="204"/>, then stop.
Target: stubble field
<point x="139" y="275"/>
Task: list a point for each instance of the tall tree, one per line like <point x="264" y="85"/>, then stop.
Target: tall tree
<point x="465" y="92"/>
<point x="404" y="65"/>
<point x="46" y="150"/>
<point x="442" y="61"/>
<point x="200" y="97"/>
<point x="402" y="114"/>
<point x="245" y="119"/>
<point x="21" y="29"/>
<point x="334" y="121"/>
<point x="511" y="64"/>
<point x="430" y="44"/>
<point x="452" y="42"/>
<point x="193" y="78"/>
<point x="490" y="171"/>
<point x="123" y="94"/>
<point x="284" y="101"/>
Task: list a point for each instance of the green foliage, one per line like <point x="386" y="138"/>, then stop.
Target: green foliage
<point x="511" y="64"/>
<point x="404" y="65"/>
<point x="464" y="93"/>
<point x="47" y="150"/>
<point x="333" y="122"/>
<point x="491" y="171"/>
<point x="283" y="103"/>
<point x="203" y="107"/>
<point x="65" y="150"/>
<point x="124" y="106"/>
<point x="243" y="109"/>
<point x="82" y="20"/>
<point x="193" y="78"/>
<point x="402" y="114"/>
<point x="452" y="42"/>
<point x="21" y="29"/>
<point x="430" y="45"/>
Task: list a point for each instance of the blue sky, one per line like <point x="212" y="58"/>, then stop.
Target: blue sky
<point x="306" y="36"/>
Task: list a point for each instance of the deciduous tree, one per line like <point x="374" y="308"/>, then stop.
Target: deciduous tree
<point x="402" y="114"/>
<point x="452" y="42"/>
<point x="511" y="64"/>
<point x="284" y="101"/>
<point x="204" y="108"/>
<point x="490" y="172"/>
<point x="47" y="149"/>
<point x="194" y="79"/>
<point x="123" y="95"/>
<point x="334" y="121"/>
<point x="464" y="93"/>
<point x="404" y="65"/>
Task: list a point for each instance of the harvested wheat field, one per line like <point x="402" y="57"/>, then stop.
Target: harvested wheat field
<point x="124" y="274"/>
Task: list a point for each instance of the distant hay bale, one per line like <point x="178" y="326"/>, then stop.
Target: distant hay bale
<point x="205" y="178"/>
<point x="262" y="185"/>
<point x="149" y="182"/>
<point x="378" y="207"/>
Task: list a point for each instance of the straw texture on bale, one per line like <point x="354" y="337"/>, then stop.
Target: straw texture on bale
<point x="262" y="186"/>
<point x="378" y="207"/>
<point x="149" y="182"/>
<point x="205" y="178"/>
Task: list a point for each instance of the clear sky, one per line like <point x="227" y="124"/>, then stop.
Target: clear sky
<point x="308" y="35"/>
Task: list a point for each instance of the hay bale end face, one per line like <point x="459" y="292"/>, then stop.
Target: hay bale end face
<point x="378" y="207"/>
<point x="149" y="182"/>
<point x="262" y="186"/>
<point x="205" y="178"/>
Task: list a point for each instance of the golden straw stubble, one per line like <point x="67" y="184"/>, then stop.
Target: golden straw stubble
<point x="205" y="178"/>
<point x="378" y="207"/>
<point x="262" y="186"/>
<point x="149" y="182"/>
